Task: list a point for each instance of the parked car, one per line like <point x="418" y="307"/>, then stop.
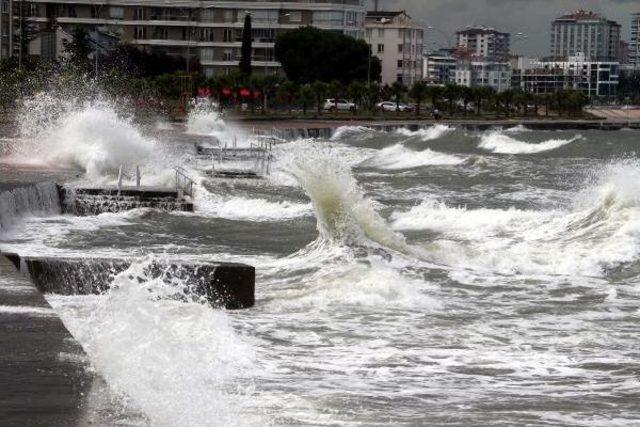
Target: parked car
<point x="393" y="106"/>
<point x="340" y="105"/>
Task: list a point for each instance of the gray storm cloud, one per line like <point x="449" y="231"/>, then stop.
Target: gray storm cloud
<point x="532" y="17"/>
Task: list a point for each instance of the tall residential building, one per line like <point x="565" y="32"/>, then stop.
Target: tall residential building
<point x="397" y="41"/>
<point x="496" y="75"/>
<point x="634" y="46"/>
<point x="587" y="33"/>
<point x="439" y="67"/>
<point x="207" y="31"/>
<point x="486" y="43"/>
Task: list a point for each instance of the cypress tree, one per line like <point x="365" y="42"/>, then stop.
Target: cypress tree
<point x="245" y="58"/>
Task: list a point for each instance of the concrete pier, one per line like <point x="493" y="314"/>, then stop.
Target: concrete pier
<point x="44" y="375"/>
<point x="96" y="200"/>
<point x="227" y="285"/>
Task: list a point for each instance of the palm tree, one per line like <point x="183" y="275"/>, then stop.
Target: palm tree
<point x="306" y="94"/>
<point x="288" y="90"/>
<point x="374" y="93"/>
<point x="320" y="90"/>
<point x="435" y="93"/>
<point x="418" y="92"/>
<point x="467" y="95"/>
<point x="398" y="89"/>
<point x="357" y="92"/>
<point x="335" y="90"/>
<point x="452" y="94"/>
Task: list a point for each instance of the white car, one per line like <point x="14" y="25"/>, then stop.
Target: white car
<point x="341" y="105"/>
<point x="392" y="106"/>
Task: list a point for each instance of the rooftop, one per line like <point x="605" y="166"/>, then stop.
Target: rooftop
<point x="479" y="30"/>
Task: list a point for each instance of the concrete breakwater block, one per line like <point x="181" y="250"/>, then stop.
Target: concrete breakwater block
<point x="94" y="201"/>
<point x="227" y="285"/>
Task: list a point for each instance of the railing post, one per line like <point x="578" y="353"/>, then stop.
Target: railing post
<point x="120" y="180"/>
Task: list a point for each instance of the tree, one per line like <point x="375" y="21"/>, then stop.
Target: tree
<point x="398" y="89"/>
<point x="287" y="91"/>
<point x="335" y="90"/>
<point x="452" y="93"/>
<point x="310" y="54"/>
<point x="357" y="91"/>
<point x="374" y="94"/>
<point x="245" y="50"/>
<point x="320" y="90"/>
<point x="79" y="48"/>
<point x="435" y="93"/>
<point x="467" y="95"/>
<point x="482" y="93"/>
<point x="419" y="93"/>
<point x="306" y="94"/>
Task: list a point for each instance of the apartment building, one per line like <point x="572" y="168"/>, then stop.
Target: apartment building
<point x="587" y="33"/>
<point x="207" y="31"/>
<point x="6" y="29"/>
<point x="439" y="67"/>
<point x="593" y="78"/>
<point x="397" y="40"/>
<point x="486" y="43"/>
<point x="634" y="45"/>
<point x="496" y="75"/>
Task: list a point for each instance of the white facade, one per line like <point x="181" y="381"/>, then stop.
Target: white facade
<point x="209" y="31"/>
<point x="398" y="42"/>
<point x="439" y="69"/>
<point x="593" y="78"/>
<point x="496" y="75"/>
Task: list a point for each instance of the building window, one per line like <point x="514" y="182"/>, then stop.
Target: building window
<point x="228" y="34"/>
<point x="400" y="48"/>
<point x="116" y="12"/>
<point x="4" y="7"/>
<point x="295" y="16"/>
<point x="229" y="15"/>
<point x="139" y="14"/>
<point x="72" y="12"/>
<point x="207" y="35"/>
<point x="380" y="48"/>
<point x="206" y="54"/>
<point x="227" y="55"/>
<point x="400" y="64"/>
<point x="380" y="32"/>
<point x="328" y="18"/>
<point x="140" y="33"/>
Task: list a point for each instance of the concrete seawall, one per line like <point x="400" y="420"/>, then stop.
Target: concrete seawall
<point x="227" y="285"/>
<point x="44" y="373"/>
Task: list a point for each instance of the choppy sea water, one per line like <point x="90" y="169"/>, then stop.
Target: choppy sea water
<point x="438" y="277"/>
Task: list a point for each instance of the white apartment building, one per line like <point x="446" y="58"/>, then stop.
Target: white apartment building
<point x="496" y="75"/>
<point x="587" y="33"/>
<point x="207" y="31"/>
<point x="439" y="68"/>
<point x="634" y="45"/>
<point x="398" y="42"/>
<point x="481" y="42"/>
<point x="6" y="29"/>
<point x="593" y="78"/>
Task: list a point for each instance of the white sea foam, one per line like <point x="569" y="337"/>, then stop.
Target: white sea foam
<point x="181" y="362"/>
<point x="498" y="142"/>
<point x="599" y="232"/>
<point x="244" y="209"/>
<point x="27" y="310"/>
<point x="398" y="157"/>
<point x="428" y="134"/>
<point x="344" y="132"/>
<point x="91" y="136"/>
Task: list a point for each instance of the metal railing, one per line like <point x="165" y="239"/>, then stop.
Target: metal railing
<point x="122" y="174"/>
<point x="184" y="184"/>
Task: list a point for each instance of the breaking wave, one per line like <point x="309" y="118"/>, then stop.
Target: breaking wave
<point x="179" y="361"/>
<point x="600" y="232"/>
<point x="350" y="132"/>
<point x="498" y="142"/>
<point x="88" y="135"/>
<point x="397" y="157"/>
<point x="428" y="134"/>
<point x="344" y="214"/>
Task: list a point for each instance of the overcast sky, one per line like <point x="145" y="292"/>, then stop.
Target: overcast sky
<point x="532" y="17"/>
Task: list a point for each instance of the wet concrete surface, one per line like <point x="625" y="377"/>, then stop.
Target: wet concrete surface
<point x="45" y="376"/>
